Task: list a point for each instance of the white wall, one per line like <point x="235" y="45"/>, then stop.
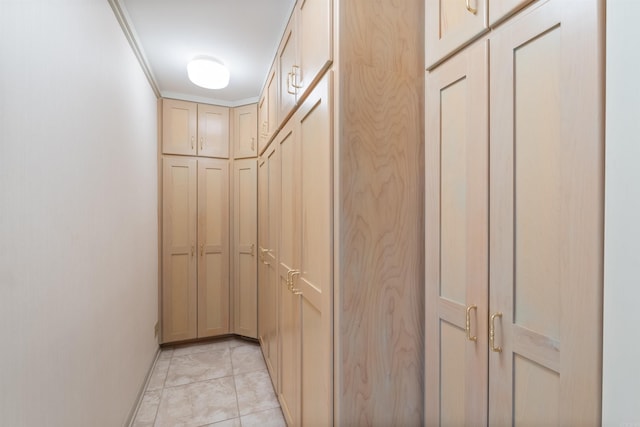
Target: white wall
<point x="78" y="216"/>
<point x="621" y="376"/>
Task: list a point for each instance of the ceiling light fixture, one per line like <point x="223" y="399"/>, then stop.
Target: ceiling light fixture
<point x="208" y="73"/>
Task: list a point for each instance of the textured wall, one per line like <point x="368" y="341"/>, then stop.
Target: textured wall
<point x="78" y="216"/>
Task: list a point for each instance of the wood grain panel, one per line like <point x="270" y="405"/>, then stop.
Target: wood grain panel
<point x="380" y="273"/>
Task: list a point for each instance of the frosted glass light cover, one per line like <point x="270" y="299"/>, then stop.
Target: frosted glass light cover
<point x="208" y="73"/>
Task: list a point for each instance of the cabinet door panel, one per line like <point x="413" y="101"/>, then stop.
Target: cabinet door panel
<point x="546" y="217"/>
<point x="289" y="316"/>
<point x="245" y="131"/>
<point x="287" y="71"/>
<point x="213" y="247"/>
<point x="213" y="131"/>
<point x="457" y="238"/>
<point x="451" y="24"/>
<point x="245" y="235"/>
<point x="316" y="250"/>
<point x="179" y="119"/>
<point x="315" y="23"/>
<point x="179" y="287"/>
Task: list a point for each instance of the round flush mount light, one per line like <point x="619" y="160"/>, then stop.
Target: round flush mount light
<point x="208" y="73"/>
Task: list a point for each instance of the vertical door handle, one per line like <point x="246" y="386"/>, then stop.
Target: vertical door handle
<point x="492" y="333"/>
<point x="262" y="252"/>
<point x="253" y="247"/>
<point x="193" y="249"/>
<point x="295" y="291"/>
<point x="289" y="85"/>
<point x="294" y="74"/>
<point x="468" y="323"/>
<point x="469" y="8"/>
<point x="202" y="249"/>
<point x="253" y="143"/>
<point x="201" y="143"/>
<point x="193" y="138"/>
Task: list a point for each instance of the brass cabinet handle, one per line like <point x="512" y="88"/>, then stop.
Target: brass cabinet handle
<point x="468" y="323"/>
<point x="294" y="74"/>
<point x="201" y="143"/>
<point x="289" y="85"/>
<point x="193" y="138"/>
<point x="290" y="275"/>
<point x="193" y="249"/>
<point x="253" y="247"/>
<point x="295" y="291"/>
<point x="262" y="252"/>
<point x="202" y="249"/>
<point x="492" y="333"/>
<point x="253" y="143"/>
<point x="469" y="8"/>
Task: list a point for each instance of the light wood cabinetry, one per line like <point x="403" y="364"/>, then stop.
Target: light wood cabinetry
<point x="268" y="234"/>
<point x="195" y="285"/>
<point x="244" y="128"/>
<point x="451" y="25"/>
<point x="305" y="52"/>
<point x="195" y="129"/>
<point x="245" y="211"/>
<point x="267" y="109"/>
<point x="523" y="210"/>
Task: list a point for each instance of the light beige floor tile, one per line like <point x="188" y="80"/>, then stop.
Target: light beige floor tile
<point x="148" y="408"/>
<point x="198" y="404"/>
<point x="165" y="354"/>
<point x="198" y="367"/>
<point x="228" y="423"/>
<point x="201" y="348"/>
<point x="247" y="359"/>
<point x="158" y="375"/>
<point x="268" y="418"/>
<point x="255" y="392"/>
<point x="238" y="342"/>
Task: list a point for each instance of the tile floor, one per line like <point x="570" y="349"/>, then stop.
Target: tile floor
<point x="223" y="384"/>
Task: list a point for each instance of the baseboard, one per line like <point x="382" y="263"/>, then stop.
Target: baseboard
<point x="138" y="401"/>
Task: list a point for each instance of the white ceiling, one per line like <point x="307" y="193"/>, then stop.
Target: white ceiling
<point x="243" y="34"/>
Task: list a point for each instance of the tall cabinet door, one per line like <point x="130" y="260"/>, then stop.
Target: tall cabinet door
<point x="456" y="221"/>
<point x="315" y="282"/>
<point x="315" y="24"/>
<point x="450" y="24"/>
<point x="546" y="217"/>
<point x="179" y="127"/>
<point x="245" y="223"/>
<point x="268" y="300"/>
<point x="244" y="130"/>
<point x="288" y="71"/>
<point x="289" y="315"/>
<point x="213" y="247"/>
<point x="179" y="224"/>
<point x="213" y="131"/>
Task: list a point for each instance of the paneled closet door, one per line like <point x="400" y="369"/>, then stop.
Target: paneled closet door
<point x="269" y="211"/>
<point x="213" y="131"/>
<point x="287" y="71"/>
<point x="245" y="224"/>
<point x="546" y="217"/>
<point x="457" y="239"/>
<point x="315" y="281"/>
<point x="450" y="24"/>
<point x="315" y="37"/>
<point x="213" y="247"/>
<point x="289" y="316"/>
<point x="245" y="128"/>
<point x="179" y="225"/>
<point x="179" y="127"/>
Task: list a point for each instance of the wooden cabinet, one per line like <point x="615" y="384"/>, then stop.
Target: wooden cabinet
<point x="244" y="129"/>
<point x="195" y="242"/>
<point x="268" y="233"/>
<point x="523" y="210"/>
<point x="195" y="129"/>
<point x="305" y="260"/>
<point x="267" y="109"/>
<point x="451" y="25"/>
<point x="305" y="52"/>
<point x="245" y="211"/>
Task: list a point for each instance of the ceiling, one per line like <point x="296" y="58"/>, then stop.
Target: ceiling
<point x="243" y="34"/>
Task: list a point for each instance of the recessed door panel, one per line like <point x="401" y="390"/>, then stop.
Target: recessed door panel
<point x="213" y="247"/>
<point x="213" y="131"/>
<point x="453" y="384"/>
<point x="179" y="127"/>
<point x="536" y="394"/>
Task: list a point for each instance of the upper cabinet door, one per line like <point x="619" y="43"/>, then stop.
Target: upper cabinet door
<point x="213" y="131"/>
<point x="244" y="131"/>
<point x="450" y="25"/>
<point x="501" y="9"/>
<point x="288" y="71"/>
<point x="315" y="24"/>
<point x="179" y="120"/>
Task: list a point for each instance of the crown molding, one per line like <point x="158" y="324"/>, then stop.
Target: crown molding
<point x="123" y="19"/>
